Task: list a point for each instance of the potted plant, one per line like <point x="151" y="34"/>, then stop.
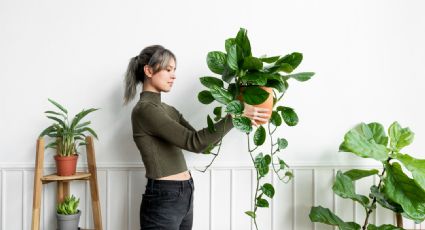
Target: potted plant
<point x="67" y="213"/>
<point x="259" y="81"/>
<point x="67" y="137"/>
<point x="396" y="191"/>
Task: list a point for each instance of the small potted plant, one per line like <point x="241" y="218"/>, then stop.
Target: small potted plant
<point x="67" y="137"/>
<point x="396" y="190"/>
<point x="67" y="213"/>
<point x="258" y="81"/>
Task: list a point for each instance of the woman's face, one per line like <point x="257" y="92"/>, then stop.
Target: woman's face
<point x="163" y="80"/>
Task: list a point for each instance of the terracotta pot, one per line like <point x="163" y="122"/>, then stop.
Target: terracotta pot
<point x="267" y="104"/>
<point x="66" y="165"/>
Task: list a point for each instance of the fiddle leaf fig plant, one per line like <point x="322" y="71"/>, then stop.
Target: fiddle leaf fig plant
<point x="401" y="193"/>
<point x="244" y="78"/>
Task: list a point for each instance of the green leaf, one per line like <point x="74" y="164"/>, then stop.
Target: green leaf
<point x="268" y="190"/>
<point x="288" y="115"/>
<point x="282" y="164"/>
<point x="209" y="82"/>
<point x="304" y="76"/>
<point x="275" y="119"/>
<point x="260" y="136"/>
<point x="360" y="141"/>
<point x="293" y="59"/>
<point x="47" y="131"/>
<point x="228" y="74"/>
<point x="56" y="113"/>
<point x="243" y="41"/>
<point x="61" y="122"/>
<point x="404" y="191"/>
<point x="383" y="227"/>
<point x="251" y="214"/>
<point x="400" y="137"/>
<point x="356" y="174"/>
<point x="262" y="203"/>
<point x="216" y="61"/>
<point x="344" y="187"/>
<point x="262" y="164"/>
<point x="232" y="58"/>
<point x="383" y="200"/>
<point x="282" y="143"/>
<point x="279" y="85"/>
<point x="284" y="67"/>
<point x="254" y="78"/>
<point x="378" y="133"/>
<point x="242" y="123"/>
<point x="221" y="95"/>
<point x="217" y="113"/>
<point x="324" y="215"/>
<point x="235" y="107"/>
<point x="59" y="106"/>
<point x="205" y="97"/>
<point x="252" y="63"/>
<point x="254" y="95"/>
<point x="210" y="123"/>
<point x="229" y="43"/>
<point x="415" y="166"/>
<point x="80" y="116"/>
<point x="269" y="59"/>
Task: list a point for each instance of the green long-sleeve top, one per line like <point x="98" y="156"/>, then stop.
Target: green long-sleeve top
<point x="161" y="132"/>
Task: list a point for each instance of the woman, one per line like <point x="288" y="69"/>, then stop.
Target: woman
<point x="160" y="132"/>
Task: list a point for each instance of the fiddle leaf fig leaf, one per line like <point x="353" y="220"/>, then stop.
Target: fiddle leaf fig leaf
<point x="304" y="76"/>
<point x="221" y="95"/>
<point x="260" y="136"/>
<point x="344" y="187"/>
<point x="243" y="41"/>
<point x="254" y="95"/>
<point x="289" y="115"/>
<point x="356" y="174"/>
<point x="383" y="200"/>
<point x="205" y="97"/>
<point x="399" y="137"/>
<point x="383" y="227"/>
<point x="216" y="61"/>
<point x="378" y="133"/>
<point x="360" y="141"/>
<point x="209" y="82"/>
<point x="325" y="216"/>
<point x="268" y="190"/>
<point x="415" y="166"/>
<point x="242" y="123"/>
<point x="404" y="191"/>
<point x="234" y="107"/>
<point x="275" y="119"/>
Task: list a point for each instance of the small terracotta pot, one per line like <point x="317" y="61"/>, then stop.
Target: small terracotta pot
<point x="267" y="104"/>
<point x="66" y="165"/>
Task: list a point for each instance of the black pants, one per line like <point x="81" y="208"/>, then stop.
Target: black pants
<point x="167" y="205"/>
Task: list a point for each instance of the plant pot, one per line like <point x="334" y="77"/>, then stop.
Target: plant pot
<point x="267" y="104"/>
<point x="68" y="222"/>
<point x="66" y="165"/>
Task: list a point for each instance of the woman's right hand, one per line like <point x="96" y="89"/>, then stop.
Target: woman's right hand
<point x="255" y="113"/>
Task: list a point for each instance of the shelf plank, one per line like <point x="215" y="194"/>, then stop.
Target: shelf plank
<point x="76" y="176"/>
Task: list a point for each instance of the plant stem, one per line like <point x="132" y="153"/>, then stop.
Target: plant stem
<point x="370" y="210"/>
<point x="258" y="181"/>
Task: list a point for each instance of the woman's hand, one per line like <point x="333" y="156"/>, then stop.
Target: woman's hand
<point x="255" y="113"/>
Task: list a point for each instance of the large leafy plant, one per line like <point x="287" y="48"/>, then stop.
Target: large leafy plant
<point x="242" y="77"/>
<point x="67" y="135"/>
<point x="69" y="206"/>
<point x="396" y="190"/>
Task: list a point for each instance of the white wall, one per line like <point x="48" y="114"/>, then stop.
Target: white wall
<point x="367" y="55"/>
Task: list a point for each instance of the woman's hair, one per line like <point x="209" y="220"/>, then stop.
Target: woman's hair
<point x="156" y="57"/>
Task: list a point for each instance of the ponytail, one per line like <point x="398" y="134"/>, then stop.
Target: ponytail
<point x="156" y="56"/>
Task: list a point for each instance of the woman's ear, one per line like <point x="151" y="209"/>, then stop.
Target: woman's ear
<point x="148" y="71"/>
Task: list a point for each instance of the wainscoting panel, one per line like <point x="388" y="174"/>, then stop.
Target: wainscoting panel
<point x="222" y="195"/>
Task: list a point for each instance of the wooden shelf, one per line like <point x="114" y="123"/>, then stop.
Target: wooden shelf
<point x="55" y="177"/>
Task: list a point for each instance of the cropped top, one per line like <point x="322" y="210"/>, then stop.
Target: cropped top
<point x="160" y="133"/>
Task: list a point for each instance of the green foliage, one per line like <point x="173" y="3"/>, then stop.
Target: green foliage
<point x="67" y="135"/>
<point x="395" y="191"/>
<point x="69" y="206"/>
<point x="243" y="78"/>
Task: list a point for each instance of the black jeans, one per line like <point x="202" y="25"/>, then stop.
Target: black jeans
<point x="167" y="205"/>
